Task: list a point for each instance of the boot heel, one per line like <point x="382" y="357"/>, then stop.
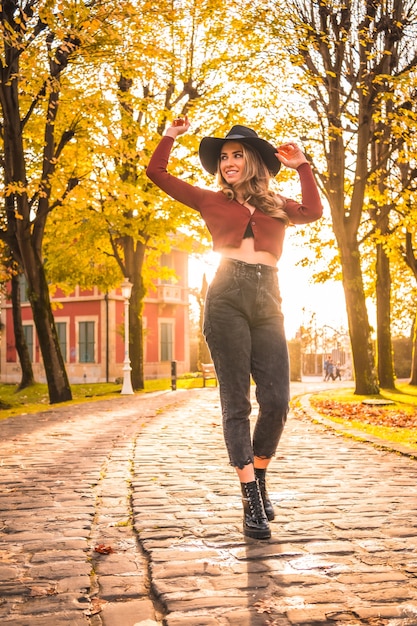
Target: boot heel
<point x="255" y="522"/>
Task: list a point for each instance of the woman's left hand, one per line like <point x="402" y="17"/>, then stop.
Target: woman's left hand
<point x="291" y="155"/>
<point x="178" y="127"/>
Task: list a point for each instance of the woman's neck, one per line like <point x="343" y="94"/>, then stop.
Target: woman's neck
<point x="240" y="196"/>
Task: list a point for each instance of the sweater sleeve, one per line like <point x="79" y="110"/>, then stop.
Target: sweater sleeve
<point x="311" y="208"/>
<point x="187" y="194"/>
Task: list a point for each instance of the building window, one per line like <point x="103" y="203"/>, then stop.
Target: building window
<point x="166" y="334"/>
<point x="61" y="329"/>
<point x="23" y="288"/>
<point x="167" y="262"/>
<point x="86" y="342"/>
<point x="28" y="335"/>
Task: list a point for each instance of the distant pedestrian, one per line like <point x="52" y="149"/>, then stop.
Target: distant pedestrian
<point x="329" y="369"/>
<point x="243" y="322"/>
<point x="338" y="372"/>
<point x="325" y="367"/>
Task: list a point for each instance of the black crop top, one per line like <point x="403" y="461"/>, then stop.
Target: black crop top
<point x="248" y="234"/>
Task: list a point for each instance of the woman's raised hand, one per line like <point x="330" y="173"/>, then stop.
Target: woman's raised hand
<point x="179" y="126"/>
<point x="291" y="155"/>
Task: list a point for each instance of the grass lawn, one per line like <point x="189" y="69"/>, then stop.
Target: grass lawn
<point x="34" y="399"/>
<point x="396" y="422"/>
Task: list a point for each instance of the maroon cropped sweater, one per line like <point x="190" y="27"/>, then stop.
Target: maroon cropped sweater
<point x="226" y="219"/>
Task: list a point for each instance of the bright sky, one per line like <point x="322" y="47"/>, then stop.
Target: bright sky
<point x="300" y="298"/>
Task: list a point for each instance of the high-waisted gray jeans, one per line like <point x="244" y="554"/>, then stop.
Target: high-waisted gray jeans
<point x="244" y="329"/>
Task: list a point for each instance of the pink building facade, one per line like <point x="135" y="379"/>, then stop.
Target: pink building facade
<point x="90" y="327"/>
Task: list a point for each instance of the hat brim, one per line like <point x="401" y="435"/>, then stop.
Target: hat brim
<point x="210" y="148"/>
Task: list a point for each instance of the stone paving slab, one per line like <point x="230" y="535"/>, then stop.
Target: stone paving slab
<point x="126" y="513"/>
<point x="64" y="491"/>
<point x="343" y="546"/>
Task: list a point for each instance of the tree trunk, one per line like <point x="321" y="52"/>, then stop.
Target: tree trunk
<point x="359" y="329"/>
<point x="38" y="293"/>
<point x="380" y="212"/>
<point x="134" y="254"/>
<point x="345" y="225"/>
<point x="413" y="380"/>
<point x="27" y="231"/>
<point x="385" y="359"/>
<point x="136" y="333"/>
<point x="56" y="376"/>
<point x="347" y="53"/>
<point x="346" y="229"/>
<point x="134" y="248"/>
<point x="27" y="378"/>
<point x="411" y="260"/>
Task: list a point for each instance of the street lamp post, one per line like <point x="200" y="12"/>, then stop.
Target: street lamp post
<point x="127" y="381"/>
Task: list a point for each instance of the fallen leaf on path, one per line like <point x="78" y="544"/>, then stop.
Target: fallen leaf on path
<point x="103" y="549"/>
<point x="96" y="607"/>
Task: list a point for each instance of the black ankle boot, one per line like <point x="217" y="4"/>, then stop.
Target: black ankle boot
<point x="260" y="475"/>
<point x="255" y="523"/>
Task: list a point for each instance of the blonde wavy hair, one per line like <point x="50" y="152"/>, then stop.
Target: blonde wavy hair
<point x="254" y="186"/>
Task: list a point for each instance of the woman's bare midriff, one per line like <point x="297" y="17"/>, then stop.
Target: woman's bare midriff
<point x="247" y="253"/>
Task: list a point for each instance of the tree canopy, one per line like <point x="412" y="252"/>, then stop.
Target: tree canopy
<point x="88" y="88"/>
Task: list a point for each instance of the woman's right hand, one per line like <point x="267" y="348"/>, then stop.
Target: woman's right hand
<point x="178" y="128"/>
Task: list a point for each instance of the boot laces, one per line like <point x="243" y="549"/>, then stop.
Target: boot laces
<point x="256" y="506"/>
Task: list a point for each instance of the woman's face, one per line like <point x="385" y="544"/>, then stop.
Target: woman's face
<point x="232" y="162"/>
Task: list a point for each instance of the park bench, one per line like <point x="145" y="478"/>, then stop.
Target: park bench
<point x="208" y="372"/>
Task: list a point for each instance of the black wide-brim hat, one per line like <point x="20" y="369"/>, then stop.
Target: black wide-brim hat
<point x="210" y="148"/>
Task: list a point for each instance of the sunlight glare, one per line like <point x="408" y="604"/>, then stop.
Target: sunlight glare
<point x="301" y="299"/>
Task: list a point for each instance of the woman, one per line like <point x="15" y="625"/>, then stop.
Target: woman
<point x="243" y="323"/>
